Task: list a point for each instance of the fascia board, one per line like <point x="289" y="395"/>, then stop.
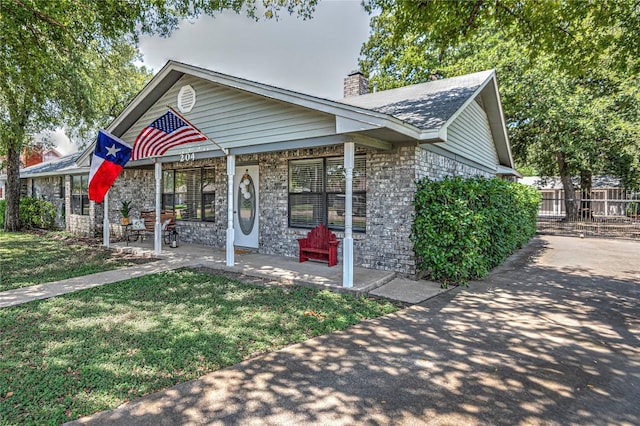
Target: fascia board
<point x="368" y="117"/>
<point x="501" y="123"/>
<point x="84" y="158"/>
<point x="466" y="103"/>
<point x="63" y="172"/>
<point x="158" y="81"/>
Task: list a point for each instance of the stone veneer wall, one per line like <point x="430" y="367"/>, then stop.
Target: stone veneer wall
<point x="207" y="233"/>
<point x="437" y="167"/>
<point x="139" y="185"/>
<point x="391" y="179"/>
<point x="390" y="189"/>
<point x="390" y="175"/>
<point x="78" y="224"/>
<point x="136" y="185"/>
<point x="50" y="189"/>
<point x="275" y="235"/>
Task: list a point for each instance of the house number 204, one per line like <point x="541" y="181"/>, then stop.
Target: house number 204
<point x="188" y="157"/>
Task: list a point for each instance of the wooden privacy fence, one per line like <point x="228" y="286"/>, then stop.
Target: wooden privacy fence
<point x="610" y="213"/>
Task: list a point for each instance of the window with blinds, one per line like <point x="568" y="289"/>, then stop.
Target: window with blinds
<point x="317" y="193"/>
<point x="190" y="193"/>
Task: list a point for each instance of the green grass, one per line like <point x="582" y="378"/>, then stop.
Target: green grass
<point x="92" y="350"/>
<point x="27" y="259"/>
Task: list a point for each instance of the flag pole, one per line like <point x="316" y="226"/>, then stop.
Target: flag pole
<point x="225" y="151"/>
<point x="105" y="221"/>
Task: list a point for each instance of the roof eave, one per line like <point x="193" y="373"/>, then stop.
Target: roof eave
<point x="61" y="172"/>
<point x="173" y="71"/>
<point x="495" y="116"/>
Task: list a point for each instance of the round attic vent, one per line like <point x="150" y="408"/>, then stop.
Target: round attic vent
<point x="186" y="98"/>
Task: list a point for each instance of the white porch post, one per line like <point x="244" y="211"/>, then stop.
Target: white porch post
<point x="231" y="170"/>
<point x="105" y="221"/>
<point x="347" y="244"/>
<point x="158" y="231"/>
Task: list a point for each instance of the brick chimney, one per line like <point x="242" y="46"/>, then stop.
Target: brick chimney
<point x="355" y="84"/>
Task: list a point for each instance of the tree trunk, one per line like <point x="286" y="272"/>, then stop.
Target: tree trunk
<point x="12" y="214"/>
<point x="571" y="211"/>
<point x="585" y="192"/>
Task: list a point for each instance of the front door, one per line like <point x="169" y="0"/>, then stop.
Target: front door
<point x="245" y="210"/>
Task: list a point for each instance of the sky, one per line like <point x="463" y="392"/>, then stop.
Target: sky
<point x="312" y="56"/>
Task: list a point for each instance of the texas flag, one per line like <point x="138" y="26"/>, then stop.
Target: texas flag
<point x="109" y="158"/>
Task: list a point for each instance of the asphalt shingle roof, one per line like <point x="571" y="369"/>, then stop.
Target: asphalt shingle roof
<point x="60" y="164"/>
<point x="427" y="105"/>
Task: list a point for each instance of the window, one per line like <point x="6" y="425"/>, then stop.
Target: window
<point x="317" y="193"/>
<point x="79" y="195"/>
<point x="190" y="193"/>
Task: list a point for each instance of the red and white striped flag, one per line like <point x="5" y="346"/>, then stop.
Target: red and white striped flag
<point x="166" y="132"/>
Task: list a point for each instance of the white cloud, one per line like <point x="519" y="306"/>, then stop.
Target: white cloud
<point x="310" y="56"/>
<point x="62" y="143"/>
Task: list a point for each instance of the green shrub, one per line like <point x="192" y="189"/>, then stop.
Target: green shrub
<point x="465" y="227"/>
<point x="35" y="213"/>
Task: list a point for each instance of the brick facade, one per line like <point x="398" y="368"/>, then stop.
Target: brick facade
<point x="52" y="189"/>
<point x="391" y="179"/>
<point x="437" y="167"/>
<point x="355" y="84"/>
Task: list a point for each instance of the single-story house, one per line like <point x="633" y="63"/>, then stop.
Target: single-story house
<point x="299" y="158"/>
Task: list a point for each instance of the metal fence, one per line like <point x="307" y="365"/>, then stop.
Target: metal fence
<point x="610" y="213"/>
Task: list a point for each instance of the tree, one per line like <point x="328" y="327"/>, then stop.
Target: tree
<point x="70" y="62"/>
<point x="562" y="119"/>
<point x="576" y="33"/>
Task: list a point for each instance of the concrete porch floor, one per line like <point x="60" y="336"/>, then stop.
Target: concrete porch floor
<point x="286" y="270"/>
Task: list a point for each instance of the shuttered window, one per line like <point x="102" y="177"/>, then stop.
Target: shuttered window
<point x="190" y="193"/>
<point x="317" y="193"/>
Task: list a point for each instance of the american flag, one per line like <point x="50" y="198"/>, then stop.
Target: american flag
<point x="166" y="132"/>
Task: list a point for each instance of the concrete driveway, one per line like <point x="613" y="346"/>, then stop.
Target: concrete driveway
<point x="552" y="337"/>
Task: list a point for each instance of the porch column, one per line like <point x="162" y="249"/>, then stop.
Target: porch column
<point x="158" y="231"/>
<point x="105" y="221"/>
<point x="347" y="244"/>
<point x="231" y="170"/>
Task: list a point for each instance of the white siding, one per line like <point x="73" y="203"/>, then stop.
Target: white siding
<point x="469" y="136"/>
<point x="233" y="118"/>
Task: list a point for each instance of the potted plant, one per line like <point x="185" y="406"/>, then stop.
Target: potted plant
<point x="124" y="210"/>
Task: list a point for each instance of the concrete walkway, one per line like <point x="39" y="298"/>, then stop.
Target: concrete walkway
<point x="550" y="338"/>
<point x="56" y="288"/>
<point x="274" y="268"/>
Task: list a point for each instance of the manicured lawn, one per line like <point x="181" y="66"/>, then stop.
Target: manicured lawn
<point x="28" y="258"/>
<point x="92" y="350"/>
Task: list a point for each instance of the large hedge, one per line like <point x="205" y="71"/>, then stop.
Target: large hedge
<point x="465" y="227"/>
<point x="34" y="213"/>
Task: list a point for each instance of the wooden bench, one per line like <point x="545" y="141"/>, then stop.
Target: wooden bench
<point x="148" y="218"/>
<point x="319" y="244"/>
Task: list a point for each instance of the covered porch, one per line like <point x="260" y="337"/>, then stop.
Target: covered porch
<point x="279" y="269"/>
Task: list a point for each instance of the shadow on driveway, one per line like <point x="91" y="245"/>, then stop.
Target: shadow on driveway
<point x="546" y="339"/>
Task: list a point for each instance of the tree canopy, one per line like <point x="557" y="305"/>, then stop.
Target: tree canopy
<point x="568" y="112"/>
<point x="73" y="63"/>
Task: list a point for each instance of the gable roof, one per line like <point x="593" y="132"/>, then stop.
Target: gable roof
<point x="427" y="105"/>
<point x="419" y="113"/>
<point x="434" y="105"/>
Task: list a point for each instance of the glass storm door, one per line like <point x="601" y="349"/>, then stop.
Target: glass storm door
<point x="245" y="217"/>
